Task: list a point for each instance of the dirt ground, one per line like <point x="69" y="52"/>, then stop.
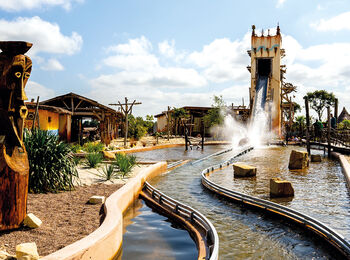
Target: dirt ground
<point x="66" y="218"/>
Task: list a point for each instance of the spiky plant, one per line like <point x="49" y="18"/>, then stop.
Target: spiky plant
<point x="92" y="147"/>
<point x="124" y="163"/>
<point x="51" y="163"/>
<point x="108" y="172"/>
<point x="93" y="159"/>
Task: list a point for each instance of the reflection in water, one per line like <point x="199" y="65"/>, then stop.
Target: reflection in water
<point x="320" y="190"/>
<point x="148" y="235"/>
<point x="243" y="234"/>
<point x="178" y="153"/>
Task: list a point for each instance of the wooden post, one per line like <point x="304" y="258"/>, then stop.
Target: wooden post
<point x="307" y="124"/>
<point x="329" y="130"/>
<point x="203" y="133"/>
<point x="168" y="122"/>
<point x="36" y="114"/>
<point x="126" y="110"/>
<point x="336" y="112"/>
<point x="186" y="138"/>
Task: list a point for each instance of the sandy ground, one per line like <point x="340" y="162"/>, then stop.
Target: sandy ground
<point x="147" y="141"/>
<point x="66" y="216"/>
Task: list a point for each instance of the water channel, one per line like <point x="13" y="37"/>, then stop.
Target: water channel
<point x="244" y="234"/>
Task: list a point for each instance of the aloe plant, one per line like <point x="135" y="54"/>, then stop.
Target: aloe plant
<point x="51" y="163"/>
<point x="93" y="159"/>
<point x="108" y="172"/>
<point x="124" y="163"/>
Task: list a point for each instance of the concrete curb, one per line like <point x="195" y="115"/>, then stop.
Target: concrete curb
<point x="345" y="166"/>
<point x="105" y="242"/>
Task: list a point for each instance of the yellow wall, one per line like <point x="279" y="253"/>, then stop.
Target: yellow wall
<point x="44" y="120"/>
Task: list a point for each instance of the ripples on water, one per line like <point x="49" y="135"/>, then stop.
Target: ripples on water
<point x="245" y="234"/>
<point x="320" y="190"/>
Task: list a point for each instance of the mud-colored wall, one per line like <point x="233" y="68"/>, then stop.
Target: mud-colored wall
<point x="48" y="120"/>
<point x="268" y="47"/>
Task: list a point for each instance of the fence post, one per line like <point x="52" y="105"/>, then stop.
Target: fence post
<point x="307" y="125"/>
<point x="329" y="130"/>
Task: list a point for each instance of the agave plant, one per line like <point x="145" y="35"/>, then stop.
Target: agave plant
<point x="124" y="163"/>
<point x="93" y="159"/>
<point x="92" y="147"/>
<point x="51" y="163"/>
<point x="108" y="172"/>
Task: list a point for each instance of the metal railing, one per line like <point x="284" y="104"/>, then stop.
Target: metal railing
<point x="197" y="219"/>
<point x="312" y="224"/>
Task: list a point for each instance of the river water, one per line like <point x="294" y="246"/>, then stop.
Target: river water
<point x="244" y="234"/>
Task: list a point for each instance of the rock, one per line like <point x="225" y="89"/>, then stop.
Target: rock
<point x="281" y="188"/>
<point x="32" y="221"/>
<point x="108" y="155"/>
<point x="298" y="160"/>
<point x="27" y="251"/>
<point x="316" y="158"/>
<point x="97" y="200"/>
<point x="6" y="256"/>
<point x="243" y="170"/>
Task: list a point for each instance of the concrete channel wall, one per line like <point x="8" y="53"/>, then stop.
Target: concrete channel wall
<point x="105" y="242"/>
<point x="345" y="166"/>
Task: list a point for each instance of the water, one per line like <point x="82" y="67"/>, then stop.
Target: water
<point x="178" y="153"/>
<point x="320" y="190"/>
<point x="244" y="234"/>
<point x="148" y="235"/>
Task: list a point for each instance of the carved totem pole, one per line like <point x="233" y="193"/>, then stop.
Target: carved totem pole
<point x="15" y="68"/>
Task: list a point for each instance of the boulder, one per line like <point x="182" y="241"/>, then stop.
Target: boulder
<point x="97" y="200"/>
<point x="243" y="170"/>
<point x="298" y="160"/>
<point x="32" y="221"/>
<point x="27" y="251"/>
<point x="108" y="155"/>
<point x="6" y="256"/>
<point x="281" y="188"/>
<point x="316" y="158"/>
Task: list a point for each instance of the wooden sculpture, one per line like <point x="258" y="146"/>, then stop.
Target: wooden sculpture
<point x="15" y="68"/>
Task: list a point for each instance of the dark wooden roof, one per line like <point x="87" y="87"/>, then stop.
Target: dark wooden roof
<point x="81" y="106"/>
<point x="59" y="110"/>
<point x="189" y="109"/>
<point x="344" y="115"/>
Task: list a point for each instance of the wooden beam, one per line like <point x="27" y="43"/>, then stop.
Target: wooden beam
<point x="78" y="104"/>
<point x="65" y="104"/>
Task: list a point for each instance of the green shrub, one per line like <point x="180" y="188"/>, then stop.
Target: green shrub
<point x="345" y="124"/>
<point x="93" y="159"/>
<point x="76" y="148"/>
<point x="124" y="163"/>
<point x="108" y="172"/>
<point x="92" y="147"/>
<point x="51" y="163"/>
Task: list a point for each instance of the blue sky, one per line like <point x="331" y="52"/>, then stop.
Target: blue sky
<point x="175" y="53"/>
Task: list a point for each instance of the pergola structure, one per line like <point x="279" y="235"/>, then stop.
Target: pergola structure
<point x="82" y="107"/>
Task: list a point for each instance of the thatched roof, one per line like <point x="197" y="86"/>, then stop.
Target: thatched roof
<point x="59" y="110"/>
<point x="344" y="115"/>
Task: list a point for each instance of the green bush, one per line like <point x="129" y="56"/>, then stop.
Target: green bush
<point x="108" y="172"/>
<point x="93" y="159"/>
<point x="345" y="124"/>
<point x="51" y="162"/>
<point x="124" y="163"/>
<point x="76" y="148"/>
<point x="92" y="147"/>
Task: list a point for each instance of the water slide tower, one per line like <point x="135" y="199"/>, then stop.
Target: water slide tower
<point x="266" y="76"/>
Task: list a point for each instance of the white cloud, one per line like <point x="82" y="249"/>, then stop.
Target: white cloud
<point x="167" y="49"/>
<point x="19" y="5"/>
<point x="280" y="3"/>
<point x="45" y="36"/>
<point x="52" y="64"/>
<point x="34" y="89"/>
<point x="223" y="60"/>
<point x="336" y="23"/>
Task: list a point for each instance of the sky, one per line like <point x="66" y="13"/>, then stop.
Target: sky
<point x="175" y="53"/>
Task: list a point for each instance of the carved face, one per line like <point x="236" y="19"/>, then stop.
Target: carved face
<point x="15" y="72"/>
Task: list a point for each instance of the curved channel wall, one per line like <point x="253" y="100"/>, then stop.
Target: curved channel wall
<point x="105" y="241"/>
<point x="200" y="228"/>
<point x="317" y="227"/>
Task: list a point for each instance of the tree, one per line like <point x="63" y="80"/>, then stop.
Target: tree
<point x="178" y="114"/>
<point x="149" y="123"/>
<point x="319" y="100"/>
<point x="300" y="123"/>
<point x="215" y="115"/>
<point x="137" y="128"/>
